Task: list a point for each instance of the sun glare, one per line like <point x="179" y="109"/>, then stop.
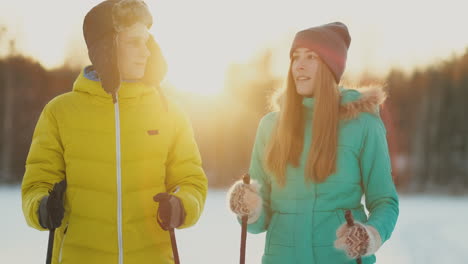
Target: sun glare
<point x="199" y="45"/>
<point x="200" y="79"/>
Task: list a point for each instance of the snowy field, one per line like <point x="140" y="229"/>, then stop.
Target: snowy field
<point x="430" y="230"/>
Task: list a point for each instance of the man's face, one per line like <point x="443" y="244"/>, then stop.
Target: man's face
<point x="132" y="52"/>
<point x="304" y="70"/>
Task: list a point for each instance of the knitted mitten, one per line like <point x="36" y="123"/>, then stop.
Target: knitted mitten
<point x="358" y="240"/>
<point x="244" y="199"/>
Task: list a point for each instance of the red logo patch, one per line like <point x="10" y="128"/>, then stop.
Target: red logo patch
<point x="153" y="132"/>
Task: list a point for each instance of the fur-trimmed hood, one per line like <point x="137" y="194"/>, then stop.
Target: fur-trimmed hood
<point x="355" y="101"/>
<point x="365" y="99"/>
<point x="100" y="29"/>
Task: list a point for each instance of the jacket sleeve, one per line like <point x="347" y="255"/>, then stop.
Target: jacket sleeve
<point x="185" y="177"/>
<point x="380" y="192"/>
<point x="258" y="173"/>
<point x="45" y="166"/>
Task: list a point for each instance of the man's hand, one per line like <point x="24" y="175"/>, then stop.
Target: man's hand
<point x="51" y="209"/>
<point x="171" y="213"/>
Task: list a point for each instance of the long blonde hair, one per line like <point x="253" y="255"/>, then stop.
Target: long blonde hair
<point x="287" y="140"/>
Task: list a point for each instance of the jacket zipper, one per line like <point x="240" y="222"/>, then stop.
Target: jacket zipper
<point x="119" y="178"/>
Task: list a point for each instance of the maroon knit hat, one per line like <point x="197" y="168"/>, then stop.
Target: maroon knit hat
<point x="330" y="42"/>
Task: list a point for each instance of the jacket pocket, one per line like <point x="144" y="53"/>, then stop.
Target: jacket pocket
<point x="325" y="224"/>
<point x="281" y="230"/>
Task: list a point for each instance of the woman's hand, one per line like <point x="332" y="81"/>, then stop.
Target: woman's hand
<point x="244" y="199"/>
<point x="358" y="240"/>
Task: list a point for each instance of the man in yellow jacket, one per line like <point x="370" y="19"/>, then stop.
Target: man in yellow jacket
<point x="118" y="142"/>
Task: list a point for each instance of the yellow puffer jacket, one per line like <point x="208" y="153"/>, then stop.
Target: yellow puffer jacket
<point x="115" y="158"/>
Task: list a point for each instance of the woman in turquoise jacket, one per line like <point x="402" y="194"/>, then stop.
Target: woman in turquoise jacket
<point x="316" y="158"/>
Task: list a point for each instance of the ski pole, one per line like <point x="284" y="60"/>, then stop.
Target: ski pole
<point x="164" y="198"/>
<point x="246" y="179"/>
<point x="350" y="222"/>
<point x="50" y="246"/>
<point x="175" y="252"/>
<point x="55" y="201"/>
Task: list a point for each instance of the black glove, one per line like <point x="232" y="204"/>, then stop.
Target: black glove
<point x="171" y="213"/>
<point x="51" y="209"/>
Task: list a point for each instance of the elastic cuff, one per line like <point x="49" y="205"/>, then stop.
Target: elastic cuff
<point x="375" y="240"/>
<point x="182" y="214"/>
<point x="255" y="215"/>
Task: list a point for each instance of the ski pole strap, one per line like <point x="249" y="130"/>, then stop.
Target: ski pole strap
<point x="350" y="221"/>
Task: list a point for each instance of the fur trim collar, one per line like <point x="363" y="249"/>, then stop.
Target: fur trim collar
<point x="366" y="99"/>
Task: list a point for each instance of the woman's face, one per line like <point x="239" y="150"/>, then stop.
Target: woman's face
<point x="304" y="70"/>
<point x="132" y="52"/>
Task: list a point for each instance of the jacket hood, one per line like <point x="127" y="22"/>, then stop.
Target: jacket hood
<point x="100" y="29"/>
<point x="366" y="99"/>
<point x="88" y="82"/>
<point x="355" y="101"/>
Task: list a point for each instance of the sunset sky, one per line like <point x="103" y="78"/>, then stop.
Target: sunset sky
<point x="201" y="38"/>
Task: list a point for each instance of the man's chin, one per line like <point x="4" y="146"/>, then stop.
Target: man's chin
<point x="133" y="77"/>
<point x="138" y="75"/>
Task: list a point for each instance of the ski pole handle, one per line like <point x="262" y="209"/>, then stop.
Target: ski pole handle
<point x="246" y="180"/>
<point x="350" y="221"/>
<point x="349" y="218"/>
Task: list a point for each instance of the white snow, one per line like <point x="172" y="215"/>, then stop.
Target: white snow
<point x="431" y="229"/>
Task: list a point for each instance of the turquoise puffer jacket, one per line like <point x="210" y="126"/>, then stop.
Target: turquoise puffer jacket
<point x="301" y="218"/>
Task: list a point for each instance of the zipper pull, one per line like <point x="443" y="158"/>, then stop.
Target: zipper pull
<point x="114" y="97"/>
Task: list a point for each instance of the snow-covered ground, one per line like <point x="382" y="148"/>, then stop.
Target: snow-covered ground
<point x="430" y="230"/>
